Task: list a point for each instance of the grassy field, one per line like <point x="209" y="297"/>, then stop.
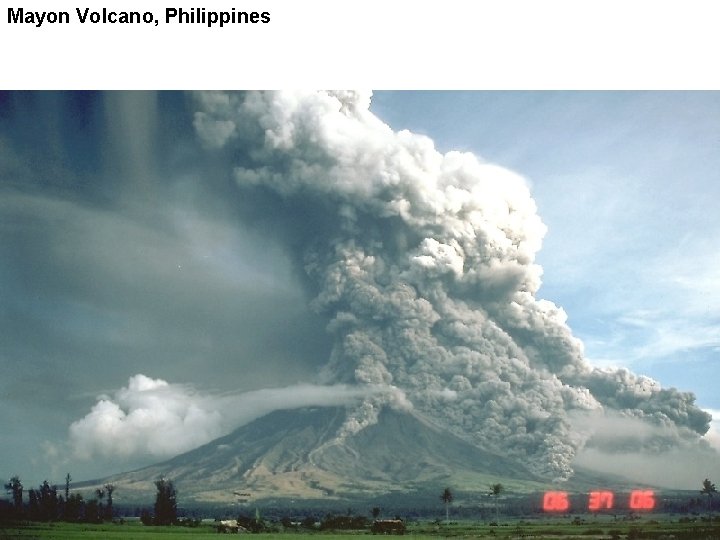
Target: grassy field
<point x="539" y="529"/>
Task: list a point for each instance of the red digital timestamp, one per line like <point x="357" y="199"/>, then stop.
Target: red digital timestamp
<point x="559" y="501"/>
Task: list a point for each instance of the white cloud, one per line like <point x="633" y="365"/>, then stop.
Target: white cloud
<point x="156" y="418"/>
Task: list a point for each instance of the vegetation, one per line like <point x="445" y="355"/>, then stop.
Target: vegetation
<point x="709" y="490"/>
<point x="544" y="529"/>
<point x="45" y="504"/>
<point x="68" y="479"/>
<point x="15" y="487"/>
<point x="165" y="503"/>
<point x="109" y="488"/>
<point x="447" y="498"/>
<point x="344" y="523"/>
<point x="45" y="513"/>
<point x="495" y="491"/>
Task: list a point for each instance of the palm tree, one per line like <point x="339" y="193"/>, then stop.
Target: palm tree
<point x="15" y="487"/>
<point x="495" y="490"/>
<point x="447" y="498"/>
<point x="708" y="489"/>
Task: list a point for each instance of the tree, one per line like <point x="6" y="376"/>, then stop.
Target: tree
<point x="109" y="488"/>
<point x="100" y="494"/>
<point x="43" y="502"/>
<point x="68" y="479"/>
<point x="49" y="501"/>
<point x="74" y="507"/>
<point x="447" y="498"/>
<point x="92" y="513"/>
<point x="15" y="488"/>
<point x="165" y="502"/>
<point x="495" y="490"/>
<point x="709" y="489"/>
<point x="33" y="504"/>
<point x="375" y="512"/>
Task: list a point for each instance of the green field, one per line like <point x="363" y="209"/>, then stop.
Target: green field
<point x="537" y="529"/>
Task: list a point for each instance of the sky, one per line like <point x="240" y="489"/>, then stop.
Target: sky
<point x="135" y="278"/>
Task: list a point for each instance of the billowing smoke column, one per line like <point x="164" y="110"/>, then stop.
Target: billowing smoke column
<point x="424" y="265"/>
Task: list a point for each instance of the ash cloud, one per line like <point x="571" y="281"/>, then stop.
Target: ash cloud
<point x="424" y="265"/>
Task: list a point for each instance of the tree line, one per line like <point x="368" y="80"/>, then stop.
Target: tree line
<point x="46" y="504"/>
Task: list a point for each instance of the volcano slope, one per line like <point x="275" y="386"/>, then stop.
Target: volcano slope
<point x="296" y="454"/>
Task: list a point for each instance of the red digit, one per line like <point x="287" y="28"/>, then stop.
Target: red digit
<point x="555" y="501"/>
<point x="642" y="499"/>
<point x="600" y="500"/>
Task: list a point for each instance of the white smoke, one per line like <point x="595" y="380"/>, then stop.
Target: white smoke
<point x="713" y="434"/>
<point x="424" y="265"/>
<point x="156" y="418"/>
<point x="641" y="449"/>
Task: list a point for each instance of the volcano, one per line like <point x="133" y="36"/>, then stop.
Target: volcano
<point x="449" y="366"/>
<point x="296" y="454"/>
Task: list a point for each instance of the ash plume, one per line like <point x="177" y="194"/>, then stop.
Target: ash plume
<point x="424" y="265"/>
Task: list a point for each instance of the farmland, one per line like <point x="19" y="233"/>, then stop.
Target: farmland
<point x="593" y="527"/>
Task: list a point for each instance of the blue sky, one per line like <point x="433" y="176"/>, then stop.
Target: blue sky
<point x="102" y="193"/>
